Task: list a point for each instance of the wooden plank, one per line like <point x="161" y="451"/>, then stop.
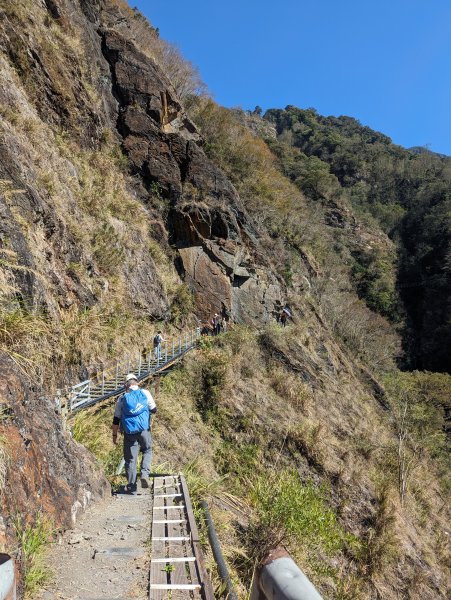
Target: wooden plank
<point x="179" y="575"/>
<point x="207" y="588"/>
<point x="168" y="521"/>
<point x="174" y="559"/>
<point x="169" y="539"/>
<point x="173" y="569"/>
<point x="173" y="500"/>
<point x="179" y="495"/>
<point x="166" y="548"/>
<point x="177" y="586"/>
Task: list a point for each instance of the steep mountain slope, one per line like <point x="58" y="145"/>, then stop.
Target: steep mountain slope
<point x="409" y="195"/>
<point x="120" y="214"/>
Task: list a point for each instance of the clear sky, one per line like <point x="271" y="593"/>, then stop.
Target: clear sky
<point x="384" y="62"/>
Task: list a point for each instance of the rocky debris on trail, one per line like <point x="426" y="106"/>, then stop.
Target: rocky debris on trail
<point x="108" y="554"/>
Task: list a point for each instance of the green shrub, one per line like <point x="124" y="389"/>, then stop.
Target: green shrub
<point x="182" y="304"/>
<point x="32" y="539"/>
<point x="93" y="430"/>
<point x="212" y="380"/>
<point x="288" y="509"/>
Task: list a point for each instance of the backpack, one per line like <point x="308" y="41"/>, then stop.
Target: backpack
<point x="156" y="340"/>
<point x="135" y="412"/>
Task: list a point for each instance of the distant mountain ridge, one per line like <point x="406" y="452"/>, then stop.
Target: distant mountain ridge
<point x="425" y="150"/>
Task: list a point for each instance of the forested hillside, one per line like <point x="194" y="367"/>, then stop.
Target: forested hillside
<point x="407" y="193"/>
<point x="132" y="202"/>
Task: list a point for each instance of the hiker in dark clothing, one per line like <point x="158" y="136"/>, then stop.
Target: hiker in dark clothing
<point x="216" y="324"/>
<point x="205" y="330"/>
<point x="157" y="341"/>
<point x="133" y="413"/>
<point x="283" y="316"/>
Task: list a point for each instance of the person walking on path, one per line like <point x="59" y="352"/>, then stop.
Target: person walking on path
<point x="283" y="317"/>
<point x="133" y="414"/>
<point x="157" y="341"/>
<point x="216" y="322"/>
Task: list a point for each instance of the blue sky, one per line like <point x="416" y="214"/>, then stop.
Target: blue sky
<point x="386" y="63"/>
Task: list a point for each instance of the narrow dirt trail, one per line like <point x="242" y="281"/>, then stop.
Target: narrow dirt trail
<point x="107" y="555"/>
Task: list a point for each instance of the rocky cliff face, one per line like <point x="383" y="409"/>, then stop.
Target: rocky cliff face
<point x="98" y="159"/>
<point x="46" y="471"/>
<point x="216" y="241"/>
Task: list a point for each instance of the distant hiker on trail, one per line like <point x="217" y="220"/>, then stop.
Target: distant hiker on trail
<point x="224" y="324"/>
<point x="133" y="413"/>
<point x="205" y="329"/>
<point x="157" y="340"/>
<point x="283" y="316"/>
<point x="216" y="323"/>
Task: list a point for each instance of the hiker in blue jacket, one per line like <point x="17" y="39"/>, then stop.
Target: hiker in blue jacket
<point x="133" y="413"/>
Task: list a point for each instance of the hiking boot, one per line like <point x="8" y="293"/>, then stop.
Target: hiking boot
<point x="131" y="488"/>
<point x="144" y="482"/>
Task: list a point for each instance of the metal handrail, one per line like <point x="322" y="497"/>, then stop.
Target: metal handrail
<point x="279" y="578"/>
<point x="109" y="382"/>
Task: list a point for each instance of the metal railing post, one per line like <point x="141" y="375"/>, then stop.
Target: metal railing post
<point x="279" y="578"/>
<point x="7" y="578"/>
<point x="149" y="358"/>
<point x="166" y="351"/>
<point x="173" y="347"/>
<point x="116" y="381"/>
<point x="140" y="363"/>
<point x="180" y="344"/>
<point x="103" y="384"/>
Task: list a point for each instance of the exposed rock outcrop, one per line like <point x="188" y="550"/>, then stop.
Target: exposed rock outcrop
<point x="47" y="471"/>
<point x="218" y="245"/>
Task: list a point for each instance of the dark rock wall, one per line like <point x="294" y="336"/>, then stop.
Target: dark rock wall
<point x="217" y="242"/>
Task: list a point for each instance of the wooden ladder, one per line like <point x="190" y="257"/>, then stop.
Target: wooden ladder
<point x="177" y="567"/>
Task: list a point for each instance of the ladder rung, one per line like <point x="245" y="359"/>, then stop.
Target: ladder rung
<point x="174" y="586"/>
<point x="174" y="559"/>
<point x="168" y="495"/>
<point x="169" y="521"/>
<point x="183" y="538"/>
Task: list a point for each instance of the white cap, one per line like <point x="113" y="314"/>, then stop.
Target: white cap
<point x="130" y="376"/>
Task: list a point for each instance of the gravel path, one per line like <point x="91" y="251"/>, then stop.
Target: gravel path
<point x="107" y="556"/>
